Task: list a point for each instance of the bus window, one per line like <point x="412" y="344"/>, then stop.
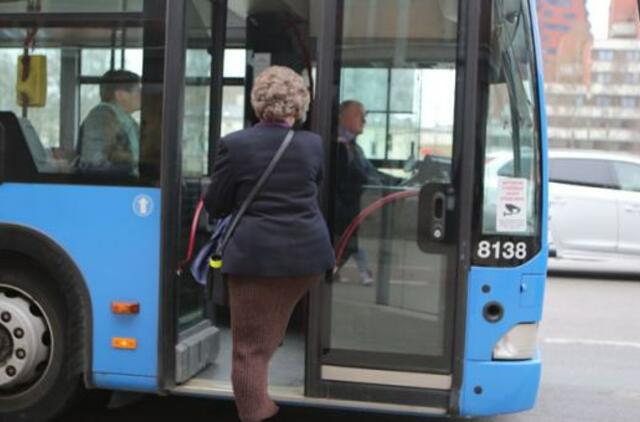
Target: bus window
<point x="511" y="184"/>
<point x="104" y="129"/>
<point x="233" y="90"/>
<point x="95" y="63"/>
<point x="195" y="153"/>
<point x="43" y="120"/>
<point x="232" y="109"/>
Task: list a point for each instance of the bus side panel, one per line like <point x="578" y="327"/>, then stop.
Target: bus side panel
<point x="519" y="290"/>
<point x="113" y="235"/>
<point x="111" y="381"/>
<point x="491" y="387"/>
<point x="507" y="387"/>
<point x="514" y="390"/>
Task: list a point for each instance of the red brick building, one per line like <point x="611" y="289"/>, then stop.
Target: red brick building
<point x="605" y="112"/>
<point x="566" y="40"/>
<point x="623" y="19"/>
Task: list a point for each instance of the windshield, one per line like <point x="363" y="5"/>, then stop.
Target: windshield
<point x="511" y="190"/>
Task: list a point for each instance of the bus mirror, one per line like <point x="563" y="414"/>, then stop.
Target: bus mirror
<point x="31" y="86"/>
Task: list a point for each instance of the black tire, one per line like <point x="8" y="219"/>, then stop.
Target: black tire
<point x="60" y="381"/>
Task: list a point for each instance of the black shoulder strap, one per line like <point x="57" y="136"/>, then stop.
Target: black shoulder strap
<point x="254" y="192"/>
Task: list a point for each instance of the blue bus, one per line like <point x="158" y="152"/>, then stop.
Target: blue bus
<point x="94" y="287"/>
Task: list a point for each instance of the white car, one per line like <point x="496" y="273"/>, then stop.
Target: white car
<point x="594" y="212"/>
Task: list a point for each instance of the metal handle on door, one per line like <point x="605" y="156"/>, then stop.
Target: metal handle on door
<point x="438" y="216"/>
<point x="435" y="202"/>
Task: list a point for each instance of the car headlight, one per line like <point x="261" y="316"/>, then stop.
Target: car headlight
<point x="521" y="342"/>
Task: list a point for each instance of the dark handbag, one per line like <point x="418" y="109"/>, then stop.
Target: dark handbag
<point x="215" y="289"/>
<point x="206" y="268"/>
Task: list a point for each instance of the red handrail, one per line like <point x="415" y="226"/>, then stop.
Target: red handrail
<point x="351" y="228"/>
<point x="344" y="239"/>
<point x="192" y="236"/>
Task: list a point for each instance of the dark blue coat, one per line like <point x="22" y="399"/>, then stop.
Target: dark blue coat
<point x="282" y="233"/>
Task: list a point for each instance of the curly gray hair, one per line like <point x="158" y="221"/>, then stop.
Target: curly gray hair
<point x="279" y="93"/>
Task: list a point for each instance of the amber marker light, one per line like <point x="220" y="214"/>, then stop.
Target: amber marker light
<point x="125" y="308"/>
<point x="124" y="343"/>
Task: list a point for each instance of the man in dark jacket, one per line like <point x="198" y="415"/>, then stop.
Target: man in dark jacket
<point x="353" y="172"/>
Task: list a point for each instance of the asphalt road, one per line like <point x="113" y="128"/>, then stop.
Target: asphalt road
<point x="591" y="352"/>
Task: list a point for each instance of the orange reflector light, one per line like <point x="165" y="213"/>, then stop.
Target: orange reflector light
<point x="125" y="307"/>
<point x="124" y="343"/>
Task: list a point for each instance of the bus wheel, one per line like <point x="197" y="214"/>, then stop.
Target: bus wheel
<point x="38" y="376"/>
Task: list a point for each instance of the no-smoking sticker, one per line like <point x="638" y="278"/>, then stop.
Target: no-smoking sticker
<point x="511" y="213"/>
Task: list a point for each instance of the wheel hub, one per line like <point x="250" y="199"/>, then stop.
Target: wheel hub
<point x="22" y="341"/>
<point x="6" y="344"/>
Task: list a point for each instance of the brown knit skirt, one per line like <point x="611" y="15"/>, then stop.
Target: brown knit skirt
<point x="260" y="312"/>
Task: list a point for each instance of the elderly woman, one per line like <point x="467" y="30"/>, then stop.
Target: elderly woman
<point x="281" y="246"/>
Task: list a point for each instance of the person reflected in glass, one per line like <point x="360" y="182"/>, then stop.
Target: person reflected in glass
<point x="354" y="171"/>
<point x="109" y="139"/>
<point x="281" y="245"/>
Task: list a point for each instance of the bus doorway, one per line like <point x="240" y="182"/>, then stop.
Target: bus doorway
<point x="388" y="329"/>
<point x="227" y="46"/>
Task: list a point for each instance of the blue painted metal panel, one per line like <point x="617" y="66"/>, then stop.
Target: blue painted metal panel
<point x="507" y="387"/>
<point x="521" y="304"/>
<point x="125" y="382"/>
<point x="113" y="235"/>
<point x="513" y="388"/>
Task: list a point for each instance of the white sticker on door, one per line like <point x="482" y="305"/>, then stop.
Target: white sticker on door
<point x="511" y="212"/>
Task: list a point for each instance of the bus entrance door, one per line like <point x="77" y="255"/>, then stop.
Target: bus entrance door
<point x="386" y="332"/>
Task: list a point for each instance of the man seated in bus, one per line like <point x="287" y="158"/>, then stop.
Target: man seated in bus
<point x="109" y="140"/>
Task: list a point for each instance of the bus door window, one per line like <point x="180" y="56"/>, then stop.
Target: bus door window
<point x="196" y="144"/>
<point x="233" y="91"/>
<point x="389" y="300"/>
<point x="195" y="148"/>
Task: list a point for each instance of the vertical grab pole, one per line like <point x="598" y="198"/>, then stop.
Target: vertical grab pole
<point x="219" y="31"/>
<point x="385" y="255"/>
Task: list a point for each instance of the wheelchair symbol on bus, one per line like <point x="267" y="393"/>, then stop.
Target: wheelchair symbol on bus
<point x="142" y="205"/>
